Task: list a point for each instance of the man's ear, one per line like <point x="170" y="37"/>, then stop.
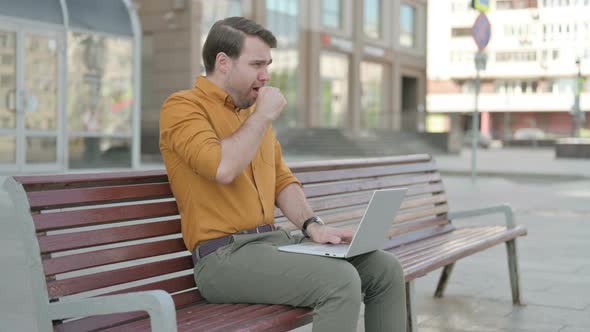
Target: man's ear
<point x="222" y="63"/>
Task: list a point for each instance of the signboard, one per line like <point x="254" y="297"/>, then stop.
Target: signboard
<point x="343" y="44"/>
<point x="481" y="31"/>
<point x="481" y="5"/>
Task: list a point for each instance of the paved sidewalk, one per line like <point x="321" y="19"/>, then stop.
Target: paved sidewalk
<point x="515" y="162"/>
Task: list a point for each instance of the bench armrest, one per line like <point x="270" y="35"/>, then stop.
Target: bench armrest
<point x="157" y="303"/>
<point x="506" y="209"/>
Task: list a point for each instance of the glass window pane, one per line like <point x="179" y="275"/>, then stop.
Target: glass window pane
<point x="282" y="20"/>
<point x="212" y="11"/>
<point x="100" y="84"/>
<point x="407" y="36"/>
<point x="372" y="18"/>
<point x="41" y="82"/>
<point x="332" y="13"/>
<point x="41" y="149"/>
<point x="99" y="152"/>
<point x="7" y="149"/>
<point x="7" y="80"/>
<point x="372" y="95"/>
<point x="334" y="89"/>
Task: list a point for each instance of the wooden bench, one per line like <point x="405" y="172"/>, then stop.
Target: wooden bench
<point x="105" y="250"/>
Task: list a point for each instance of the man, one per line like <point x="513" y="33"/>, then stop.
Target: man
<point x="227" y="173"/>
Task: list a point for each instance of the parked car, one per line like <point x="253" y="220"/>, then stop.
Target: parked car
<point x="484" y="140"/>
<point x="529" y="134"/>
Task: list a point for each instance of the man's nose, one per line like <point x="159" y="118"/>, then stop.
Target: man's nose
<point x="264" y="75"/>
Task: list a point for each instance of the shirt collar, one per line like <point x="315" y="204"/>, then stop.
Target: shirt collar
<point x="217" y="93"/>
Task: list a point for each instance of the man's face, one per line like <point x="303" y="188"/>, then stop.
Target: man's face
<point x="249" y="72"/>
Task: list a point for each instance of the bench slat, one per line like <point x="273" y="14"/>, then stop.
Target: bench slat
<point x="98" y="216"/>
<point x="226" y="319"/>
<point x="63" y="287"/>
<point x="364" y="198"/>
<point x="454" y="241"/>
<point x="78" y="240"/>
<point x="402" y="217"/>
<point x="318" y="165"/>
<point x="284" y="321"/>
<point x="40" y="182"/>
<point x="423" y="234"/>
<point x="415" y="214"/>
<point x="369" y="184"/>
<point x="53" y="199"/>
<point x="425" y="243"/>
<point x="367" y="172"/>
<point x="438" y="262"/>
<point x="196" y="313"/>
<point x="96" y="258"/>
<point x="407" y="227"/>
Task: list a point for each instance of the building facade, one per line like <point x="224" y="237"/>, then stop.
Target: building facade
<point x="340" y="63"/>
<point x="68" y="85"/>
<point x="530" y="80"/>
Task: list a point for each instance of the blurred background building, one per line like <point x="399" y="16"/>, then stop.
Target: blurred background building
<point x="76" y="76"/>
<point x="353" y="72"/>
<point x="68" y="77"/>
<point x="528" y="87"/>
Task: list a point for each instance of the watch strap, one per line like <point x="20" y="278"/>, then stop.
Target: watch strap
<point x="309" y="221"/>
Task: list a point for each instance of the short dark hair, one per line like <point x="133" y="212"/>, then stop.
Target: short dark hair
<point x="228" y="36"/>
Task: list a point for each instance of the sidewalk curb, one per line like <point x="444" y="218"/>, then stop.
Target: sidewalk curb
<point x="546" y="176"/>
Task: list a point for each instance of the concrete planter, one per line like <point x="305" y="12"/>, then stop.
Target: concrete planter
<point x="572" y="148"/>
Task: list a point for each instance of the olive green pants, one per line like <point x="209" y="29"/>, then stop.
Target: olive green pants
<point x="253" y="270"/>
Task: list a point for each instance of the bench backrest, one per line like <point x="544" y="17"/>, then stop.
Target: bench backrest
<point x="117" y="232"/>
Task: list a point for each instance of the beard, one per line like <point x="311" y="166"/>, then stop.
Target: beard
<point x="240" y="99"/>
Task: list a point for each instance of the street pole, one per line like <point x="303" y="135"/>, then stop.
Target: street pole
<point x="576" y="109"/>
<point x="480" y="64"/>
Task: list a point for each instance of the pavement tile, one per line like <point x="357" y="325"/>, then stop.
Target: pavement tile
<point x="572" y="329"/>
<point x="484" y="322"/>
<point x="552" y="315"/>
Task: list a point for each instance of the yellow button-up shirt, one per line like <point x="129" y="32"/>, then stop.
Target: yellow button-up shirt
<point x="192" y="125"/>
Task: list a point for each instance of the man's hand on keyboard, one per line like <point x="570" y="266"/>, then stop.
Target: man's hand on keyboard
<point x="326" y="234"/>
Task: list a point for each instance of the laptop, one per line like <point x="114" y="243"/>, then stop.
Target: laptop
<point x="371" y="233"/>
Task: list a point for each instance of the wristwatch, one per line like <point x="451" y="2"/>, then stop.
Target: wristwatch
<point x="306" y="223"/>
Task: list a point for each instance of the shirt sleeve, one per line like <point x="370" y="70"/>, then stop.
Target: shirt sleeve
<point x="284" y="176"/>
<point x="185" y="129"/>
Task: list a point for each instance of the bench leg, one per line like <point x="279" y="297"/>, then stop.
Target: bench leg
<point x="513" y="269"/>
<point x="412" y="324"/>
<point x="444" y="278"/>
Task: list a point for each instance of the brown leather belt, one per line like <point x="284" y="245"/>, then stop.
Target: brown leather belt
<point x="210" y="246"/>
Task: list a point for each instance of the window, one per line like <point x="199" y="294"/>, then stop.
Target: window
<point x="333" y="89"/>
<point x="212" y="11"/>
<point x="407" y="36"/>
<point x="7" y="59"/>
<point x="100" y="98"/>
<point x="282" y="18"/>
<point x="7" y="149"/>
<point x="372" y="86"/>
<point x="523" y="56"/>
<point x="461" y="32"/>
<point x="332" y="13"/>
<point x="461" y="6"/>
<point x="504" y="4"/>
<point x="372" y="19"/>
